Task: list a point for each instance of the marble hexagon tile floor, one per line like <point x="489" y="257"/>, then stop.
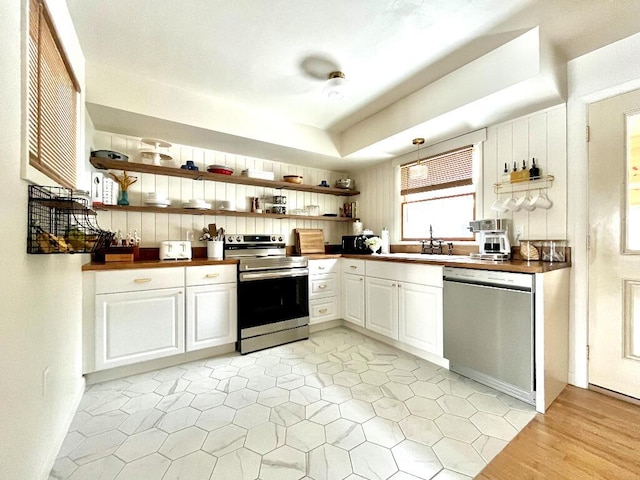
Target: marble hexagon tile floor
<point x="339" y="405"/>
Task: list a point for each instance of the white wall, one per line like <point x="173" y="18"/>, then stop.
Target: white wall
<point x="541" y="135"/>
<point x="40" y="314"/>
<point x="601" y="74"/>
<point x="154" y="228"/>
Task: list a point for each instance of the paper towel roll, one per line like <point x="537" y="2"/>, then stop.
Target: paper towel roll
<point x="384" y="236"/>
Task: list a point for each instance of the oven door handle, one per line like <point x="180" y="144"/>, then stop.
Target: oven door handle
<point x="254" y="276"/>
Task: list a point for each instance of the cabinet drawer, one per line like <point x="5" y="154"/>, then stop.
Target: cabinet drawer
<point x="211" y="274"/>
<point x="329" y="265"/>
<point x="323" y="285"/>
<point x="352" y="265"/>
<point x="323" y="309"/>
<point x="139" y="279"/>
<point x="420" y="274"/>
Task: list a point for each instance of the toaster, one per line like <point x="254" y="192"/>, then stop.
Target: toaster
<point x="175" y="250"/>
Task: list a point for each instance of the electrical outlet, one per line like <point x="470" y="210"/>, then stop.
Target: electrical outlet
<point x="519" y="231"/>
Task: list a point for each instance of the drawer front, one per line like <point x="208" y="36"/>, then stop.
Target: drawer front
<point x="323" y="285"/>
<point x="329" y="265"/>
<point x="139" y="279"/>
<point x="211" y="274"/>
<point x="322" y="310"/>
<point x="352" y="265"/>
<point x="420" y="274"/>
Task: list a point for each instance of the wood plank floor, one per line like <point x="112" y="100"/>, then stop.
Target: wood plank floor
<point x="583" y="435"/>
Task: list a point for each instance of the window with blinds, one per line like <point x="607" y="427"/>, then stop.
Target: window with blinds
<point x="438" y="191"/>
<point x="52" y="101"/>
<point x="451" y="169"/>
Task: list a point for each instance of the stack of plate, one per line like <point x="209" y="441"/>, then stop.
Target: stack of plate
<point x="157" y="200"/>
<point x="197" y="203"/>
<point x="221" y="169"/>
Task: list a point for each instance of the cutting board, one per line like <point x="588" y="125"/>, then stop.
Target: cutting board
<point x="309" y="240"/>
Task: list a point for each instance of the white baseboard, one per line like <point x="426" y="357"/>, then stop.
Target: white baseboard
<point x="61" y="433"/>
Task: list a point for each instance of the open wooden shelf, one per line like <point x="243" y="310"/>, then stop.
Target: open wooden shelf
<point x="107" y="163"/>
<point x="195" y="211"/>
<point x="545" y="181"/>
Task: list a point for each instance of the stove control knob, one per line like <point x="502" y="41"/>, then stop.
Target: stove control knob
<point x="280" y="239"/>
<point x="229" y="238"/>
<point x="273" y="239"/>
<point x="238" y="238"/>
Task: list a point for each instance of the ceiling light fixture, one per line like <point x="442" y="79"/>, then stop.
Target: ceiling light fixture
<point x="336" y="87"/>
<point x="418" y="141"/>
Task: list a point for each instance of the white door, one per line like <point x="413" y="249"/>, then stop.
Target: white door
<point x="353" y="298"/>
<point x="614" y="255"/>
<point x="420" y="316"/>
<point x="133" y="327"/>
<point x="211" y="316"/>
<point x="381" y="306"/>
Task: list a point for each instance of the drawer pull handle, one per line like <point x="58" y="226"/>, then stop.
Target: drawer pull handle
<point x="321" y="287"/>
<point x="212" y="275"/>
<point x="320" y="267"/>
<point x="393" y="284"/>
<point x="353" y="267"/>
<point x="360" y="279"/>
<point x="322" y="310"/>
<point x="142" y="280"/>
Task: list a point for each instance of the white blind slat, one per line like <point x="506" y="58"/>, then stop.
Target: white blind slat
<point x="445" y="170"/>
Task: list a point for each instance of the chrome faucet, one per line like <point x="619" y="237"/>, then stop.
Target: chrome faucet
<point x="429" y="246"/>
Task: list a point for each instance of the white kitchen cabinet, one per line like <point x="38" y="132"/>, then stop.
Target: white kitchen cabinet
<point x="211" y="309"/>
<point x="381" y="306"/>
<point x="132" y="327"/>
<point x="353" y="298"/>
<point x="404" y="302"/>
<point x="324" y="288"/>
<point x="420" y="318"/>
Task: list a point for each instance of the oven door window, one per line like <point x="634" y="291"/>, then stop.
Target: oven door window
<point x="261" y="302"/>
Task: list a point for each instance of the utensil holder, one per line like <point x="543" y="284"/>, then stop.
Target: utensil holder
<point x="215" y="250"/>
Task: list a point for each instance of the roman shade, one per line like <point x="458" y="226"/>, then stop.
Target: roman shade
<point x="445" y="170"/>
<point x="53" y="101"/>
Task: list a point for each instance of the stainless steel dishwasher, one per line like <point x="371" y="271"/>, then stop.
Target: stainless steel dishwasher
<point x="489" y="328"/>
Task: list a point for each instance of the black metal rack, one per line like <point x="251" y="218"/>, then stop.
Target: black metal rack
<point x="62" y="223"/>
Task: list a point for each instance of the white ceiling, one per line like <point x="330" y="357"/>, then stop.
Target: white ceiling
<point x="271" y="56"/>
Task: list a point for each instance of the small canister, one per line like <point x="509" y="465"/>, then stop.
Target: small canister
<point x="279" y="200"/>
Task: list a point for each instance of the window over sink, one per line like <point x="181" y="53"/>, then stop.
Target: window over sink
<point x="439" y="191"/>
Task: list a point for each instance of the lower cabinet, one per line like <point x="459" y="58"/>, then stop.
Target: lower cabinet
<point x="134" y="327"/>
<point x="381" y="306"/>
<point x="353" y="298"/>
<point x="324" y="288"/>
<point x="420" y="319"/>
<point x="211" y="315"/>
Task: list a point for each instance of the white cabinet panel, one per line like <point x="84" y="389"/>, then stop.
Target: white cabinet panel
<point x="321" y="286"/>
<point x="329" y="265"/>
<point x="353" y="298"/>
<point x="323" y="310"/>
<point x="211" y="274"/>
<point x="133" y="327"/>
<point x="139" y="279"/>
<point x="211" y="315"/>
<point x="382" y="307"/>
<point x="420" y="317"/>
<point x="353" y="265"/>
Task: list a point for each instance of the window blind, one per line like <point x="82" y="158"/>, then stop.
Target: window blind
<point x="53" y="102"/>
<point x="450" y="169"/>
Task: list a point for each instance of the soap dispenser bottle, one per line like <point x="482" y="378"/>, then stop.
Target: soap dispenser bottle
<point x="534" y="171"/>
<point x="384" y="237"/>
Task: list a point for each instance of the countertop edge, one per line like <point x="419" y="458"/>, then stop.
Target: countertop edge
<point x="521" y="266"/>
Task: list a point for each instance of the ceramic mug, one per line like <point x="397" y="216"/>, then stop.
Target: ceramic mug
<point x="509" y="204"/>
<point x="541" y="201"/>
<point x="226" y="205"/>
<point x="498" y="206"/>
<point x="521" y="202"/>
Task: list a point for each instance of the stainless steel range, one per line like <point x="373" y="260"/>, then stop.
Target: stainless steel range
<point x="273" y="291"/>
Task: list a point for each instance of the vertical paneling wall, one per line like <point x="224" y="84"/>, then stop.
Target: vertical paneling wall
<point x="154" y="228"/>
<point x="541" y="136"/>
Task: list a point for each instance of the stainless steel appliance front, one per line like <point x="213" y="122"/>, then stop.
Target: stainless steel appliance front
<point x="273" y="298"/>
<point x="489" y="329"/>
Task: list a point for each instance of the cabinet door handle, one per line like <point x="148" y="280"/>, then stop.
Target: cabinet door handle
<point x="399" y="286"/>
<point x="360" y="279"/>
<point x="322" y="310"/>
<point x="212" y="275"/>
<point x="321" y="287"/>
<point x="142" y="280"/>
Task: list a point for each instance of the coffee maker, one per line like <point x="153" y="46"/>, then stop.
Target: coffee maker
<point x="493" y="239"/>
